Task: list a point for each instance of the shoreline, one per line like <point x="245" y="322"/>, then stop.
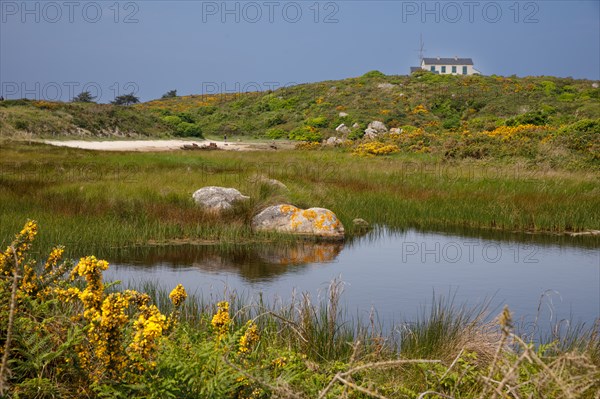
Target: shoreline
<point x="161" y="145"/>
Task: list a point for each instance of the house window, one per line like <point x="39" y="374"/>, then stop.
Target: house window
<point x="433" y="68"/>
<point x="464" y="70"/>
<point x="444" y="69"/>
<point x="453" y="69"/>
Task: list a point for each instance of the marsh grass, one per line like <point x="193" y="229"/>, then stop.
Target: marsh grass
<point x="449" y="350"/>
<point x="91" y="201"/>
<point x="446" y="328"/>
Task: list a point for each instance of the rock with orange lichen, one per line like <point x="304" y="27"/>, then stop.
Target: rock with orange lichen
<point x="285" y="218"/>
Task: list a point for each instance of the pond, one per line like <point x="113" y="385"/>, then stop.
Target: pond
<point x="544" y="279"/>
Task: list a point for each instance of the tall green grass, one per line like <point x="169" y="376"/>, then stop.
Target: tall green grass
<point x="92" y="201"/>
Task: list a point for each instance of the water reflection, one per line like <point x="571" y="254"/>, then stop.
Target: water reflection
<point x="540" y="277"/>
<point x="260" y="262"/>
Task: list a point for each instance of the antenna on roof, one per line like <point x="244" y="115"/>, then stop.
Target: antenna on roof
<point x="421" y="49"/>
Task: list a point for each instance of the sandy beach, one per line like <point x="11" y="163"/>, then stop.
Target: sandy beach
<point x="157" y="145"/>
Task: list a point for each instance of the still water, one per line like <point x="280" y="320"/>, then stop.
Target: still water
<point x="396" y="273"/>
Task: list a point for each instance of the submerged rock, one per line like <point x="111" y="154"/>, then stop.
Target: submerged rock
<point x="217" y="199"/>
<point x="361" y="226"/>
<point x="360" y="223"/>
<point x="319" y="222"/>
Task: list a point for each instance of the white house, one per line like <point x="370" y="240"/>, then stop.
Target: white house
<point x="448" y="66"/>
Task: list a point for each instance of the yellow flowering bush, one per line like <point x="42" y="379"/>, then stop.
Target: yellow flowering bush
<point x="46" y="104"/>
<point x="249" y="338"/>
<point x="221" y="320"/>
<point x="308" y="145"/>
<point x="521" y="132"/>
<point x="375" y="148"/>
<point x="178" y="295"/>
<point x="419" y="109"/>
<point x="109" y="353"/>
<point x="20" y="245"/>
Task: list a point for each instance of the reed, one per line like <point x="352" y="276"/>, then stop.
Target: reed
<point x="92" y="201"/>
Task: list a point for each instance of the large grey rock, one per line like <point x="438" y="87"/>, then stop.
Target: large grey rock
<point x="342" y="129"/>
<point x="285" y="218"/>
<point x="378" y="126"/>
<point x="343" y="114"/>
<point x="370" y="134"/>
<point x="217" y="199"/>
<point x="334" y="141"/>
<point x="396" y="130"/>
<point x="374" y="129"/>
<point x="356" y="125"/>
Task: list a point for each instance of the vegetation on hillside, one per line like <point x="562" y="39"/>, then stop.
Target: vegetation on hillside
<point x="450" y="116"/>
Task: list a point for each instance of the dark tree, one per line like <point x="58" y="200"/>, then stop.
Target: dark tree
<point x="84" y="97"/>
<point x="126" y="99"/>
<point x="170" y="94"/>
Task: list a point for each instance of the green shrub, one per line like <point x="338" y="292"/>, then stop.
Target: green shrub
<point x="207" y="110"/>
<point x="171" y="120"/>
<point x="567" y="97"/>
<point x="583" y="136"/>
<point x="548" y="87"/>
<point x="186" y="117"/>
<point x="374" y="74"/>
<point x="306" y="133"/>
<point x="186" y="129"/>
<point x="275" y="120"/>
<point x="276" y="133"/>
<point x="317" y="122"/>
<point x="356" y="134"/>
<point x="537" y="118"/>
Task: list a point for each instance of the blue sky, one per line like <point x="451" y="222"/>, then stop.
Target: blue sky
<point x="52" y="49"/>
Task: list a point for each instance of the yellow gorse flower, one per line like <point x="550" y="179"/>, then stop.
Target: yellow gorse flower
<point x="507" y="133"/>
<point x="419" y="109"/>
<point x="375" y="148"/>
<point x="221" y="319"/>
<point x="122" y="331"/>
<point x="21" y="244"/>
<point x="249" y="338"/>
<point x="178" y="295"/>
<point x="54" y="257"/>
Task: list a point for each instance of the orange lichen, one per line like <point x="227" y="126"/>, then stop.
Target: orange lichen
<point x="309" y="214"/>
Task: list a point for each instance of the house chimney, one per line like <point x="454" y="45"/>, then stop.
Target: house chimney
<point x="438" y="58"/>
<point x="455" y="58"/>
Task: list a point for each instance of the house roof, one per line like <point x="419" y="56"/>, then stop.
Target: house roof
<point x="415" y="69"/>
<point x="448" y="61"/>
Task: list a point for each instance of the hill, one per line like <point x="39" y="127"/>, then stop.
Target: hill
<point x="454" y="116"/>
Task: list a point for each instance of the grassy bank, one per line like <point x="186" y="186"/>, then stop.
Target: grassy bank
<point x="93" y="201"/>
<point x="86" y="338"/>
<point x="82" y="337"/>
